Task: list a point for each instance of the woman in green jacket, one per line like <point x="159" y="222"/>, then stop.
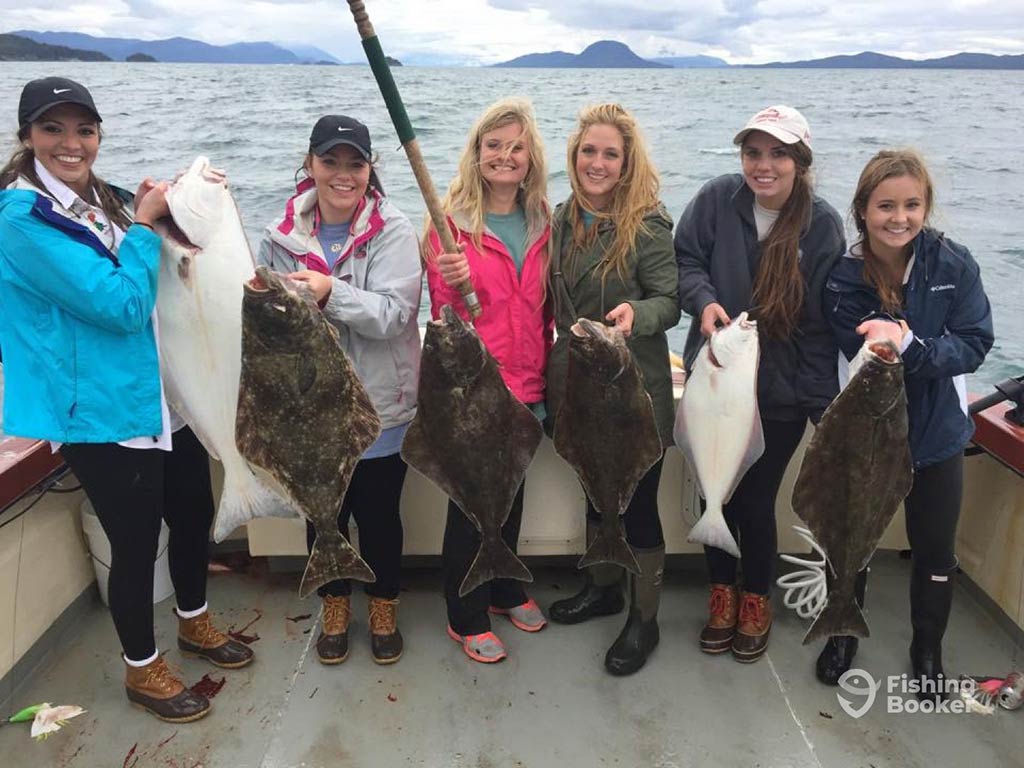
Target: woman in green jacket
<point x="612" y="260"/>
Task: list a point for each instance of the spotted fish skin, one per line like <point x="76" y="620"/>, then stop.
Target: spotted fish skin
<point x="473" y="439"/>
<point x="606" y="430"/>
<point x="304" y="418"/>
<point x="856" y="471"/>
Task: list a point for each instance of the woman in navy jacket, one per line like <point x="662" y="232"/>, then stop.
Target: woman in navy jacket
<point x="908" y="283"/>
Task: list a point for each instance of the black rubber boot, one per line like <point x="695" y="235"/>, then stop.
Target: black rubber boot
<point x="640" y="636"/>
<point x="931" y="599"/>
<point x="837" y="655"/>
<point x="601" y="594"/>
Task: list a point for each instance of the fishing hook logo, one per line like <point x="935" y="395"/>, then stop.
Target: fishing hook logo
<point x="859" y="683"/>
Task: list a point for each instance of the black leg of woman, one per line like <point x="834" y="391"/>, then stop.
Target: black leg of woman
<point x="375" y="501"/>
<point x="188" y="510"/>
<point x="125" y="486"/>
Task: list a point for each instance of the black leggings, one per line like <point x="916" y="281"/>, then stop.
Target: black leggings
<point x="468" y="615"/>
<point x="373" y="498"/>
<point x="641" y="520"/>
<point x="131" y="490"/>
<point x="932" y="512"/>
<point x="750" y="512"/>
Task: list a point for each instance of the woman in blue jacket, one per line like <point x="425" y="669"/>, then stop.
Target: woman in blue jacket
<point x="908" y="283"/>
<point x="78" y="277"/>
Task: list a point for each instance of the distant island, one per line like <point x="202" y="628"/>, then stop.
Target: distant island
<point x="602" y="54"/>
<point x="15" y="48"/>
<point x="139" y="57"/>
<point x="612" y="54"/>
<point x="872" y="60"/>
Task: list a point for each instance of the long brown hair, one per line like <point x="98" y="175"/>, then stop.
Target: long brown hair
<point x="23" y="163"/>
<point x="887" y="164"/>
<point x="778" y="294"/>
<point x="635" y="195"/>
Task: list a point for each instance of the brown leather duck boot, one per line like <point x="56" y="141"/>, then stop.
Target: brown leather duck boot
<point x="332" y="643"/>
<point x="723" y="610"/>
<point x="385" y="639"/>
<point x="755" y="622"/>
<point x="199" y="638"/>
<point x="154" y="689"/>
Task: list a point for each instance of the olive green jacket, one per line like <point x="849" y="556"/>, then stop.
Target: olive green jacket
<point x="650" y="285"/>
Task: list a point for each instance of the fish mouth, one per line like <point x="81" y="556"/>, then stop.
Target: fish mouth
<point x="170" y="230"/>
<point x="885" y="351"/>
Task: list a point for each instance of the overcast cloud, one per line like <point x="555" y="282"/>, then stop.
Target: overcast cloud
<point x="488" y="31"/>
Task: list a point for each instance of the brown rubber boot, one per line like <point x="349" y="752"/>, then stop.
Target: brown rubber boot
<point x="332" y="643"/>
<point x="385" y="639"/>
<point x="199" y="638"/>
<point x="723" y="610"/>
<point x="755" y="622"/>
<point x="154" y="689"/>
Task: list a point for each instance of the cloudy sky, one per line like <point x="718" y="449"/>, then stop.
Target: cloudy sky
<point x="488" y="31"/>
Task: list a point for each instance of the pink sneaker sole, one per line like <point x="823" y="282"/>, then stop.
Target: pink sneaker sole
<point x="474" y="655"/>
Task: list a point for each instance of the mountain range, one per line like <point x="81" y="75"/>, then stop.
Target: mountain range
<point x="183" y="49"/>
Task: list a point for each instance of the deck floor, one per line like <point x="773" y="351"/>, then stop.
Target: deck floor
<point x="549" y="704"/>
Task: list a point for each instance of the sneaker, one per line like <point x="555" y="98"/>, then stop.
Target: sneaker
<point x="527" y="617"/>
<point x="485" y="648"/>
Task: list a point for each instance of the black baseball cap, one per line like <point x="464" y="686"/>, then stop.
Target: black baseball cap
<point x="40" y="95"/>
<point x="332" y="130"/>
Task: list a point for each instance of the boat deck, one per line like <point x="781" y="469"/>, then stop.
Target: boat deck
<point x="549" y="704"/>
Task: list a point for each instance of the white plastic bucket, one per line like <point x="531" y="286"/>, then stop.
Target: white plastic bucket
<point x="99" y="550"/>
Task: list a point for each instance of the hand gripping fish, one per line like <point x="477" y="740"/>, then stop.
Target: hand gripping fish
<point x="718" y="427"/>
<point x="304" y="418"/>
<point x="473" y="439"/>
<point x="856" y="471"/>
<point x="606" y="430"/>
<point x="204" y="262"/>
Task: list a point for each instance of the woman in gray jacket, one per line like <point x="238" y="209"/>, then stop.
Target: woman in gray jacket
<point x="360" y="257"/>
<point x="762" y="241"/>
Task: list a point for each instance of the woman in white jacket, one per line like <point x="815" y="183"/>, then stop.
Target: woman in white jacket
<point x="359" y="256"/>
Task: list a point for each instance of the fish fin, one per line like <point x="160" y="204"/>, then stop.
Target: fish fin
<point x="839" y="617"/>
<point x="333" y="558"/>
<point x="494" y="560"/>
<point x="609" y="548"/>
<point x="418" y="453"/>
<point x="245" y="498"/>
<point x="681" y="434"/>
<point x="713" y="531"/>
<point x="755" y="449"/>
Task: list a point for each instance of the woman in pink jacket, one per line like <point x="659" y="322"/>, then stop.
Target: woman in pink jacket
<point x="498" y="212"/>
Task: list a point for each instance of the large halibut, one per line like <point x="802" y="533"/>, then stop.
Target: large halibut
<point x="473" y="439"/>
<point x="606" y="430"/>
<point x="718" y="427"/>
<point x="855" y="473"/>
<point x="204" y="262"/>
<point x="304" y="418"/>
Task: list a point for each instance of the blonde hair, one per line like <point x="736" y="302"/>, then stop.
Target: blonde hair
<point x="887" y="164"/>
<point x="634" y="196"/>
<point x="467" y="194"/>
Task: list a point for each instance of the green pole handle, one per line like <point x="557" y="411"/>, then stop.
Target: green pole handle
<point x="400" y="119"/>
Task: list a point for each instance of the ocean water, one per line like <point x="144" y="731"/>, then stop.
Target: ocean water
<point x="254" y="122"/>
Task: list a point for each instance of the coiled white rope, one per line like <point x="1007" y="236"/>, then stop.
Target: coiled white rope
<point x="805" y="590"/>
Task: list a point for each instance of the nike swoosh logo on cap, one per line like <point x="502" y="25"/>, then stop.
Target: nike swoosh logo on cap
<point x="61" y="90"/>
<point x="340" y="129"/>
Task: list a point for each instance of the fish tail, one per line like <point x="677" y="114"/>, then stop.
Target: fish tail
<point x="245" y="498"/>
<point x="841" y="616"/>
<point x="713" y="531"/>
<point x="609" y="546"/>
<point x="494" y="560"/>
<point x="333" y="558"/>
